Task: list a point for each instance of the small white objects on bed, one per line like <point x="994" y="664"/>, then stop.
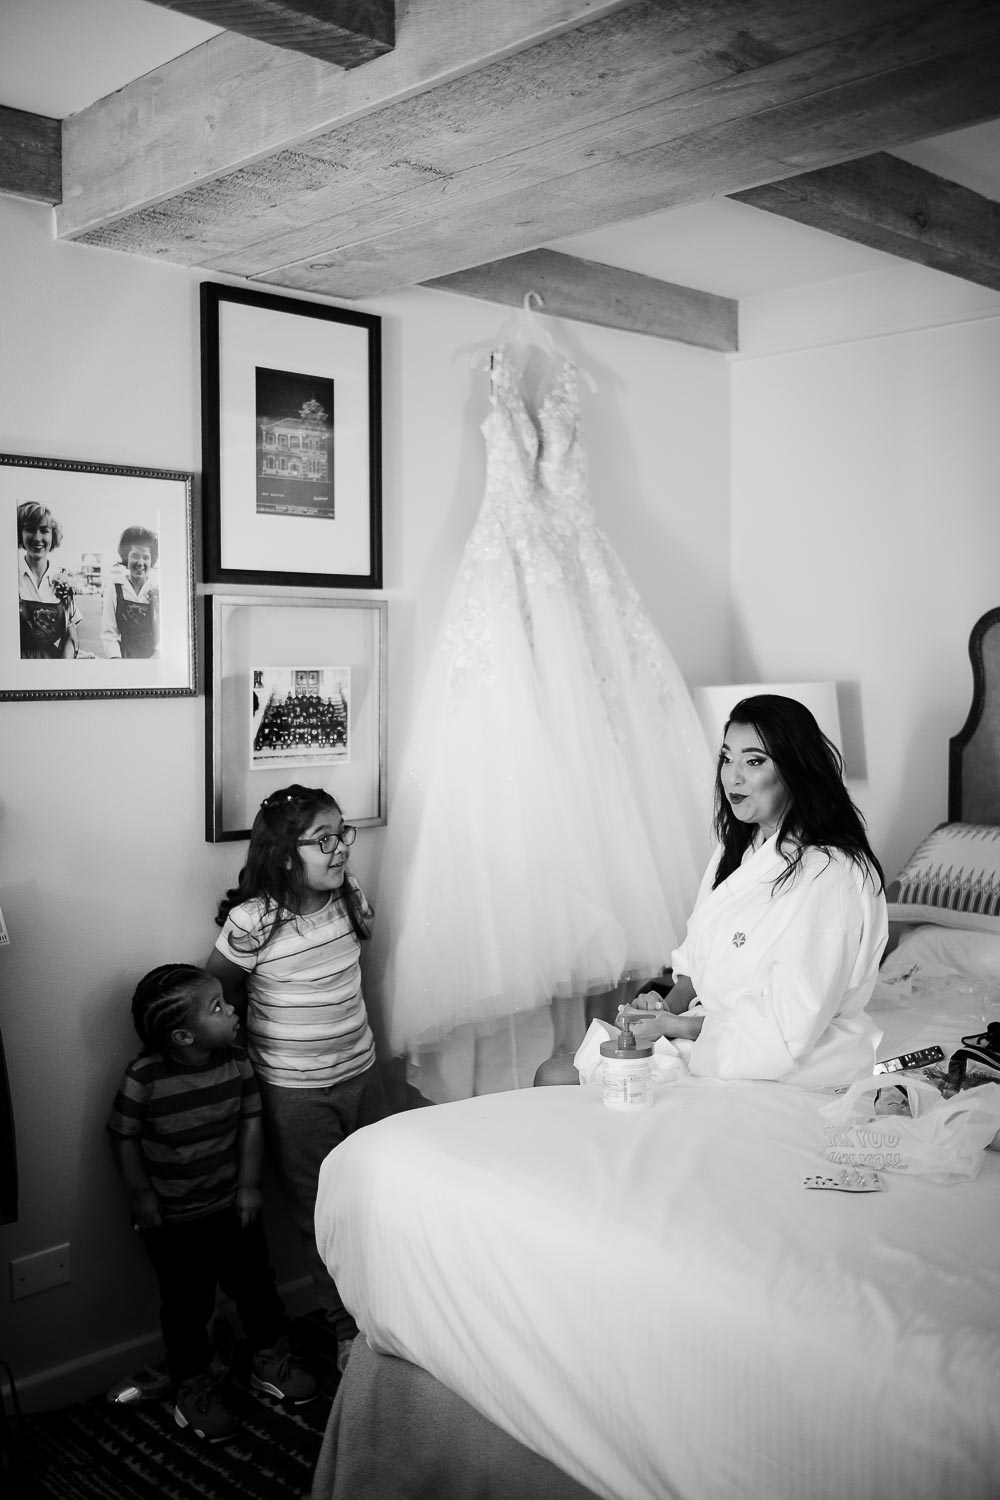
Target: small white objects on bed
<point x="937" y="986"/>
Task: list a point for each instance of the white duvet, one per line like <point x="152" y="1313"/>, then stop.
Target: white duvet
<point x="655" y="1303"/>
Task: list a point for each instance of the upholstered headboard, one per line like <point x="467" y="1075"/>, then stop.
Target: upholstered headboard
<point x="952" y="878"/>
<point x="974" y="753"/>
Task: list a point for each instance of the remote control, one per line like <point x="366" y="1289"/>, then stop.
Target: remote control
<point x="907" y="1060"/>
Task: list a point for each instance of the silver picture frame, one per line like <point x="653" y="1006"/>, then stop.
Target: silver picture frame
<point x="102" y="559"/>
<point x="295" y="691"/>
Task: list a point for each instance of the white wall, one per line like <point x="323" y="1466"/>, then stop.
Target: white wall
<point x="866" y="519"/>
<point x="104" y="870"/>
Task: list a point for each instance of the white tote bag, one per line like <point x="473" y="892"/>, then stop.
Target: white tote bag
<point x="941" y="1139"/>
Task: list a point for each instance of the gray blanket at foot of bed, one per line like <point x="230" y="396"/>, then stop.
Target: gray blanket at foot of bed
<point x="396" y="1433"/>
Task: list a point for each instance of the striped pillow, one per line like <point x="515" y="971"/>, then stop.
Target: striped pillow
<point x="952" y="878"/>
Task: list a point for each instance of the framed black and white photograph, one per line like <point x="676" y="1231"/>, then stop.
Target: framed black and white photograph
<point x="295" y="691"/>
<point x="291" y="435"/>
<point x="97" y="572"/>
<point x="300" y="716"/>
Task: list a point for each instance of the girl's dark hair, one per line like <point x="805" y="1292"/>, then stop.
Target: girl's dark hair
<point x="273" y="870"/>
<point x="139" y="536"/>
<point x="820" y="813"/>
<point x="162" y="1002"/>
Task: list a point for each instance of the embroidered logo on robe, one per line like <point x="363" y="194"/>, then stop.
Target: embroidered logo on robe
<point x="739" y="938"/>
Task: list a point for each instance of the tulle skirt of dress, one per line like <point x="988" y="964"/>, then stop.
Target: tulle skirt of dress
<point x="551" y="824"/>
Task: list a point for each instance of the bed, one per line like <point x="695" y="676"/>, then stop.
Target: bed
<point x="559" y="1301"/>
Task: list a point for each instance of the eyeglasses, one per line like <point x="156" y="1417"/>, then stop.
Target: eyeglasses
<point x="331" y="841"/>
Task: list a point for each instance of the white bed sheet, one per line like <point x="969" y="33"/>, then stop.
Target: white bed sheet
<point x="657" y="1305"/>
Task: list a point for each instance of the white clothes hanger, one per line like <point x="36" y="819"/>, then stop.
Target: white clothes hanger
<point x="526" y="327"/>
<point x="522" y="327"/>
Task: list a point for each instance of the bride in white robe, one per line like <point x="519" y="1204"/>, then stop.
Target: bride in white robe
<point x="784" y="980"/>
<point x="782" y="949"/>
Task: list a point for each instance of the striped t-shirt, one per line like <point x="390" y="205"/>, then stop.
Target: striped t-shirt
<point x="187" y="1121"/>
<point x="306" y="1023"/>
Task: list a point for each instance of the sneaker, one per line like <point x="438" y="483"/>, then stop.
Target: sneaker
<point x="201" y="1405"/>
<point x="343" y="1354"/>
<point x="151" y="1383"/>
<point x="278" y="1372"/>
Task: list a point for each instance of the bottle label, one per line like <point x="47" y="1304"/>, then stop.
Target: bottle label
<point x="627" y="1083"/>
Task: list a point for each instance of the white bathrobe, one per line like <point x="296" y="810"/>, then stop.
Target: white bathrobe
<point x="783" y="977"/>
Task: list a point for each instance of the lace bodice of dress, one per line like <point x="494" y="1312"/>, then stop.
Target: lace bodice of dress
<point x="536" y="531"/>
<point x="532" y="432"/>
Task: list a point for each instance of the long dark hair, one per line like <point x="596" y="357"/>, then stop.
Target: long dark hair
<point x="820" y="813"/>
<point x="273" y="870"/>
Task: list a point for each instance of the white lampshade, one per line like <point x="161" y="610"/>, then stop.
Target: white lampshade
<point x="715" y="704"/>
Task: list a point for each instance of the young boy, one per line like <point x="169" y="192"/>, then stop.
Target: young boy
<point x="188" y="1141"/>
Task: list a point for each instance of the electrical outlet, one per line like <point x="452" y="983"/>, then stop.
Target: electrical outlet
<point x="37" y="1273"/>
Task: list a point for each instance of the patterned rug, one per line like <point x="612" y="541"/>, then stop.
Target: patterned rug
<point x="98" y="1451"/>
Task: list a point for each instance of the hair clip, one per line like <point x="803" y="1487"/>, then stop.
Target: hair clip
<point x="276" y="799"/>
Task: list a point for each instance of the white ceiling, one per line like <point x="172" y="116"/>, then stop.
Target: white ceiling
<point x="58" y="56"/>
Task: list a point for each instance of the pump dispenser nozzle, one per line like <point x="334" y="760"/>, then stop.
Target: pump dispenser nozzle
<point x="627" y="1043"/>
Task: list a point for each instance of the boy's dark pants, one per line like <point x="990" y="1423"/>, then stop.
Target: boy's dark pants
<point x="192" y="1259"/>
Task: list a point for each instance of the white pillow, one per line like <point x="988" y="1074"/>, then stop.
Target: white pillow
<point x="976" y="954"/>
<point x="952" y="879"/>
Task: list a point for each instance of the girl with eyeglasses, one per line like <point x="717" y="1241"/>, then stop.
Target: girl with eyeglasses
<point x="288" y="958"/>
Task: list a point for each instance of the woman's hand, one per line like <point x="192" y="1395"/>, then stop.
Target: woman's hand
<point x="647" y="1017"/>
<point x="650" y="1020"/>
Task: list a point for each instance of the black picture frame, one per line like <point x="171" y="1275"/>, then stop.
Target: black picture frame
<point x="90" y="626"/>
<point x="291" y="441"/>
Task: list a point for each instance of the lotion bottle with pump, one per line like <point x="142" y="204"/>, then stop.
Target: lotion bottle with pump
<point x="627" y="1072"/>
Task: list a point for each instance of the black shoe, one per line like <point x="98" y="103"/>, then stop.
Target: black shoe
<point x="201" y="1404"/>
<point x="279" y="1373"/>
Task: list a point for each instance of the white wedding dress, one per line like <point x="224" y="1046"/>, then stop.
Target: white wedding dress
<point x="552" y="820"/>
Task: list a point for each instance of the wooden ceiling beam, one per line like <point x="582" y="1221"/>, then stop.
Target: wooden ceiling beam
<point x="589" y="292"/>
<point x="30" y="156"/>
<point x="345" y="32"/>
<point x="499" y="209"/>
<point x="233" y="101"/>
<point x="890" y="205"/>
<point x="641" y="108"/>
